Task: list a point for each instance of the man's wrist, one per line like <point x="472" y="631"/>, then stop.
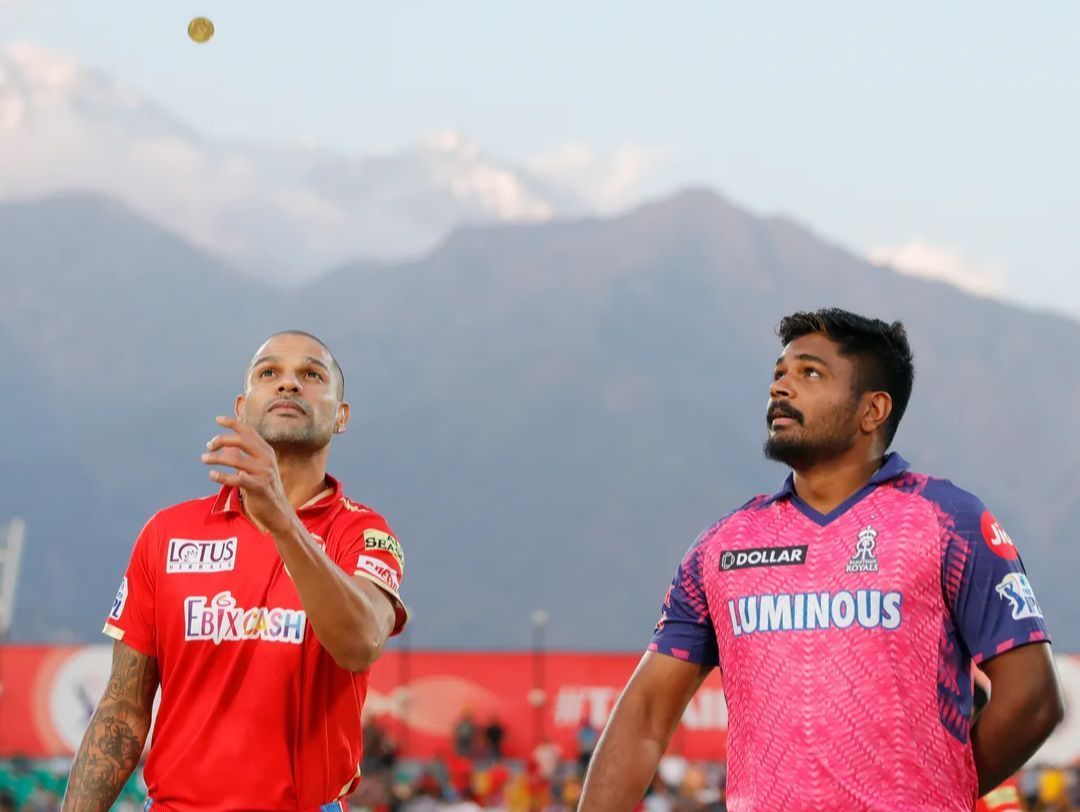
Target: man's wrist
<point x="287" y="528"/>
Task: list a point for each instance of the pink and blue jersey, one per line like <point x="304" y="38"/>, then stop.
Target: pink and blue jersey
<point x="847" y="641"/>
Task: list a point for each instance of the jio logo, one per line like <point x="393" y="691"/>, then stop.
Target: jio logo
<point x="996" y="538"/>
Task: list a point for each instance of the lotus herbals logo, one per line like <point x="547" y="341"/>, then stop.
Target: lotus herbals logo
<point x="201" y="555"/>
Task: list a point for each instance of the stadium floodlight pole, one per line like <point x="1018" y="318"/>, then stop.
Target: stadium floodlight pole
<point x="538" y="696"/>
<point x="404" y="677"/>
<point x="10" y="553"/>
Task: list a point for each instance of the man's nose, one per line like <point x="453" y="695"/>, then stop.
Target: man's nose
<point x="289" y="383"/>
<point x="780" y="390"/>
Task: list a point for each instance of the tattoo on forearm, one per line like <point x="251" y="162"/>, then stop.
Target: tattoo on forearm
<point x="114" y="740"/>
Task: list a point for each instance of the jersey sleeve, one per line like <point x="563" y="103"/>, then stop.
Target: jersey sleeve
<point x="131" y="618"/>
<point x="368" y="548"/>
<point x="992" y="602"/>
<point x="685" y="630"/>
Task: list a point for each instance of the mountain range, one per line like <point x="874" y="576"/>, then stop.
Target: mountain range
<point x="284" y="213"/>
<point x="547" y="413"/>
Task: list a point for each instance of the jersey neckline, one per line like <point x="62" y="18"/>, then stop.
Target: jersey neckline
<point x="228" y="499"/>
<point x="894" y="466"/>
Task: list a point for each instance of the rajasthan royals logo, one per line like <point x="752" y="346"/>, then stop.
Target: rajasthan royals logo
<point x="864" y="560"/>
<point x="1016" y="589"/>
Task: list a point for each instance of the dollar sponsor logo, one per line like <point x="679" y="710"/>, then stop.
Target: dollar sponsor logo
<point x="762" y="557"/>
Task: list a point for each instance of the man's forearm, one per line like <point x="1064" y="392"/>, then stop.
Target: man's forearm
<point x="621" y="770"/>
<point x="636" y="736"/>
<point x="114" y="740"/>
<point x="626" y="757"/>
<point x="1005" y="737"/>
<point x="106" y="759"/>
<point x="342" y="615"/>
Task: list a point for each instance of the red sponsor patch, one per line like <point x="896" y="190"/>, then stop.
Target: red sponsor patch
<point x="377" y="569"/>
<point x="996" y="538"/>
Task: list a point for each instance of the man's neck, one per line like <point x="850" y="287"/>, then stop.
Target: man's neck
<point x="303" y="478"/>
<point x="827" y="485"/>
<point x="303" y="475"/>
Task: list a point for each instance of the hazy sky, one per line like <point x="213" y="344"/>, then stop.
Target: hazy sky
<point x="943" y="134"/>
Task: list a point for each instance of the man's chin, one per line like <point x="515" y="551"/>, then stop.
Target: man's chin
<point x="788" y="452"/>
<point x="800" y="454"/>
<point x="295" y="441"/>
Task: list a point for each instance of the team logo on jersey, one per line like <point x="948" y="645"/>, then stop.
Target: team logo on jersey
<point x="996" y="538"/>
<point x="378" y="540"/>
<point x="866" y="608"/>
<point x="119" y="600"/>
<point x="1016" y="589"/>
<point x="219" y="619"/>
<point x="762" y="557"/>
<point x="201" y="555"/>
<point x="368" y="565"/>
<point x="864" y="560"/>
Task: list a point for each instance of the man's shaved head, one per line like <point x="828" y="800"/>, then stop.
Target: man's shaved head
<point x="339" y="376"/>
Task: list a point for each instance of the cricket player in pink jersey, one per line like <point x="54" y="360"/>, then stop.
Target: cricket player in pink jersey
<point x="846" y="612"/>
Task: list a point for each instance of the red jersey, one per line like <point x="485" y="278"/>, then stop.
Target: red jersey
<point x="254" y="714"/>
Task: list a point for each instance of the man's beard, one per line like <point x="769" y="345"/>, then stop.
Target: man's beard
<point x="296" y="436"/>
<point x="834" y="437"/>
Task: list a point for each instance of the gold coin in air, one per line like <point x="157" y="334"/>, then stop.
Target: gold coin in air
<point x="200" y="29"/>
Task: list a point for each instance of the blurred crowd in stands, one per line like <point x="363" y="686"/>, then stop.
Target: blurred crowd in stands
<point x="475" y="774"/>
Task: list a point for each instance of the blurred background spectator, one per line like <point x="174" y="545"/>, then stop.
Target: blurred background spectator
<point x="471" y="771"/>
<point x="461" y="784"/>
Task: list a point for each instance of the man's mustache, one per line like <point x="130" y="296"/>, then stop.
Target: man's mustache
<point x="782" y="408"/>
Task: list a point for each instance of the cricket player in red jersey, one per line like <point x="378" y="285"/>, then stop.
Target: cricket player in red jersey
<point x="259" y="611"/>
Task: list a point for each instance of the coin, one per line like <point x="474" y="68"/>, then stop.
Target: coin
<point x="200" y="29"/>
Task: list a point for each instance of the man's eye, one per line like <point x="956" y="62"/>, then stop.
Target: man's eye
<point x="777" y="375"/>
<point x="813" y="372"/>
<point x="265" y="372"/>
<point x="315" y="375"/>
